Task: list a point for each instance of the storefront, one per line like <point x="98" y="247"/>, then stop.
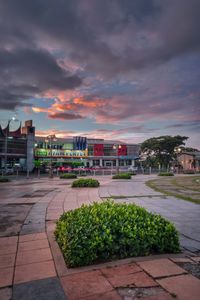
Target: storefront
<point x="85" y="152"/>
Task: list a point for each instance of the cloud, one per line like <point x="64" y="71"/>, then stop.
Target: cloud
<point x="112" y="62"/>
<point x="28" y="73"/>
<point x="105" y="36"/>
<point x="64" y="116"/>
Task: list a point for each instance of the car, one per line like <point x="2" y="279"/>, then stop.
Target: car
<point x="132" y="169"/>
<point x="64" y="169"/>
<point x="7" y="171"/>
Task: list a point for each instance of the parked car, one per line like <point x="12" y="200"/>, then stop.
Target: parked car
<point x="7" y="171"/>
<point x="132" y="169"/>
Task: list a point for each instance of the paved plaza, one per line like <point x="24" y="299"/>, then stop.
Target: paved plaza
<point x="31" y="264"/>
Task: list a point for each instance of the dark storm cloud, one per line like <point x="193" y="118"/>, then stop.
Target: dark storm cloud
<point x="85" y="26"/>
<point x="108" y="37"/>
<point x="26" y="73"/>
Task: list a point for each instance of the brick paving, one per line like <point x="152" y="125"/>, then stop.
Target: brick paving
<point x="161" y="268"/>
<point x="32" y="266"/>
<point x="184" y="287"/>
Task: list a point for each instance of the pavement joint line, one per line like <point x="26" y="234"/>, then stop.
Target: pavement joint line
<point x="189" y="237"/>
<point x="13" y="275"/>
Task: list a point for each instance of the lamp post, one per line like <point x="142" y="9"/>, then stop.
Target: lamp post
<point x="6" y="141"/>
<point x="117" y="147"/>
<point x="49" y="140"/>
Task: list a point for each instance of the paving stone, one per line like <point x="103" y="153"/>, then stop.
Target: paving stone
<point x="34" y="271"/>
<point x="106" y="296"/>
<point x="6" y="276"/>
<point x="33" y="245"/>
<point x="139" y="279"/>
<point x="36" y="255"/>
<point x="8" y="241"/>
<point x="32" y="237"/>
<point x="6" y="294"/>
<point x="163" y="296"/>
<point x="196" y="259"/>
<point x="12" y="217"/>
<point x="7" y="260"/>
<point x="185" y="287"/>
<point x="11" y="249"/>
<point x="85" y="284"/>
<point x="121" y="270"/>
<point x="161" y="267"/>
<point x="8" y="245"/>
<point x="44" y="289"/>
<point x="181" y="260"/>
<point x="33" y="228"/>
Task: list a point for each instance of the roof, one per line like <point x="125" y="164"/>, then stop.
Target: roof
<point x="89" y="140"/>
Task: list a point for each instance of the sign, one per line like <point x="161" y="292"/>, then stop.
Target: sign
<point x="60" y="153"/>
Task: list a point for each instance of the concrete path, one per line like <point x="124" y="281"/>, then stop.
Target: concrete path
<point x="185" y="215"/>
<point x="32" y="266"/>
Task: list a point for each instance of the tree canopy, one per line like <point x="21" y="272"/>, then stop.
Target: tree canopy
<point x="161" y="149"/>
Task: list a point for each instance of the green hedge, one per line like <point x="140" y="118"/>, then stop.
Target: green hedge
<point x="4" y="179"/>
<point x="132" y="173"/>
<point x="108" y="230"/>
<point x="166" y="174"/>
<point x="122" y="176"/>
<point x="68" y="176"/>
<point x="85" y="182"/>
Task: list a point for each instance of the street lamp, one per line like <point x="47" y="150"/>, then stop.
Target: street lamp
<point x="117" y="147"/>
<point x="49" y="139"/>
<point x="6" y="140"/>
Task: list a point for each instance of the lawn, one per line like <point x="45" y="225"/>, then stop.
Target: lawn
<point x="183" y="187"/>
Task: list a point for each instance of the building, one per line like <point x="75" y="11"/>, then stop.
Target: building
<point x="88" y="152"/>
<point x="189" y="161"/>
<point x="17" y="147"/>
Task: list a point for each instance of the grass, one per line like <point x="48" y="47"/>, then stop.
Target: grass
<point x="129" y="197"/>
<point x="168" y="187"/>
<point x="192" y="183"/>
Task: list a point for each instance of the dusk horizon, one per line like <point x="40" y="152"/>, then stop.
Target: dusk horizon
<point x="120" y="70"/>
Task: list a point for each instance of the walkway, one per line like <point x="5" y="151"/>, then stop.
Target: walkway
<point x="31" y="264"/>
<point x="185" y="215"/>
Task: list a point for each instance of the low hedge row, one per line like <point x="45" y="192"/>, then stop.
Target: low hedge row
<point x="85" y="182"/>
<point x="4" y="179"/>
<point x="166" y="174"/>
<point x="122" y="176"/>
<point x="108" y="230"/>
<point x="68" y="176"/>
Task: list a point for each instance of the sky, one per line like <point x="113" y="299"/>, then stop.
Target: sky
<point x="117" y="69"/>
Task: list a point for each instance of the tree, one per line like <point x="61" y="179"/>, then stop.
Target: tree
<point x="38" y="165"/>
<point x="161" y="149"/>
<point x="188" y="149"/>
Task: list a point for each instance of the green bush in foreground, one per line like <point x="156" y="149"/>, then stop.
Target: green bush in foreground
<point x="122" y="176"/>
<point x="4" y="179"/>
<point x="166" y="174"/>
<point x="68" y="176"/>
<point x="108" y="230"/>
<point x="85" y="182"/>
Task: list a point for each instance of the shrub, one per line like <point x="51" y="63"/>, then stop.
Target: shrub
<point x="108" y="230"/>
<point x="85" y="182"/>
<point x="132" y="173"/>
<point x="166" y="174"/>
<point x="68" y="176"/>
<point x="4" y="179"/>
<point x="122" y="176"/>
<point x="189" y="171"/>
